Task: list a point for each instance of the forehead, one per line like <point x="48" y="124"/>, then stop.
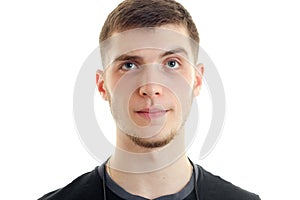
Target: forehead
<point x="166" y="38"/>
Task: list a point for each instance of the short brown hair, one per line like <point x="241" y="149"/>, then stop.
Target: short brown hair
<point x="132" y="14"/>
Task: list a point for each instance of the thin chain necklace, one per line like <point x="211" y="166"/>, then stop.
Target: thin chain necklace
<point x="108" y="167"/>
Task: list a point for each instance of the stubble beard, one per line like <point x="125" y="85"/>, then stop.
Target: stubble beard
<point x="145" y="143"/>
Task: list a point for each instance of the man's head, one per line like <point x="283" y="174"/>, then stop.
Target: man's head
<point x="150" y="78"/>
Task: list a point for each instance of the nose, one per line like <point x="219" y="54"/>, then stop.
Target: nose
<point x="151" y="90"/>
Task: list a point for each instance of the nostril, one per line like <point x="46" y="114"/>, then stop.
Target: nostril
<point x="150" y="90"/>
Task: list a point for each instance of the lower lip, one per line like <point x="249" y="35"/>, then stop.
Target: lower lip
<point x="153" y="115"/>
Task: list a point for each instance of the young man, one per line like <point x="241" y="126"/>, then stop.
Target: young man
<point x="149" y="52"/>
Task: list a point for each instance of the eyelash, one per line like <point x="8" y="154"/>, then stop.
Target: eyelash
<point x="173" y="59"/>
<point x="120" y="66"/>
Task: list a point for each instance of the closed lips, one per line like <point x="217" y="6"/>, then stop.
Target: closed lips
<point x="151" y="111"/>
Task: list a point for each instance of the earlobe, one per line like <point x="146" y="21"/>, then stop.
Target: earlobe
<point x="199" y="70"/>
<point x="100" y="84"/>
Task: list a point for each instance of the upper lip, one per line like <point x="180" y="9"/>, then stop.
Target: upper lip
<point x="151" y="110"/>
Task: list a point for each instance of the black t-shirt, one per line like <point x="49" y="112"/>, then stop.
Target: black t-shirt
<point x="91" y="186"/>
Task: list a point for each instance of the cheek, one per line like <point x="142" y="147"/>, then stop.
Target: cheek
<point x="188" y="74"/>
<point x="110" y="83"/>
<point x="190" y="77"/>
<point x="134" y="100"/>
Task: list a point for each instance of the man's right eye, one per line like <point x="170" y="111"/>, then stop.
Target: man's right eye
<point x="128" y="66"/>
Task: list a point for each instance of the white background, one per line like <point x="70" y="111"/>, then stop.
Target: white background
<point x="254" y="44"/>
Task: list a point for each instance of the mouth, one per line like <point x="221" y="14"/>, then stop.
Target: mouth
<point x="152" y="113"/>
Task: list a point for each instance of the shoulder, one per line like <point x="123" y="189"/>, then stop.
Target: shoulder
<point x="85" y="186"/>
<point x="216" y="188"/>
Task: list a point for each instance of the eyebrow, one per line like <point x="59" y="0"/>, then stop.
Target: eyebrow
<point x="125" y="57"/>
<point x="174" y="51"/>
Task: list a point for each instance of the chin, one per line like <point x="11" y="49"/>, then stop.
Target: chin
<point x="152" y="143"/>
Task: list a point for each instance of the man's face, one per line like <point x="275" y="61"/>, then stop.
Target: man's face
<point x="150" y="80"/>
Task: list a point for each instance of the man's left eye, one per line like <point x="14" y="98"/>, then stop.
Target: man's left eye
<point x="172" y="64"/>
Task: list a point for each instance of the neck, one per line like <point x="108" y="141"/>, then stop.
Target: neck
<point x="168" y="180"/>
<point x="150" y="173"/>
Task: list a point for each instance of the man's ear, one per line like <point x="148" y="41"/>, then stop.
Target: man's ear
<point x="199" y="70"/>
<point x="100" y="84"/>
